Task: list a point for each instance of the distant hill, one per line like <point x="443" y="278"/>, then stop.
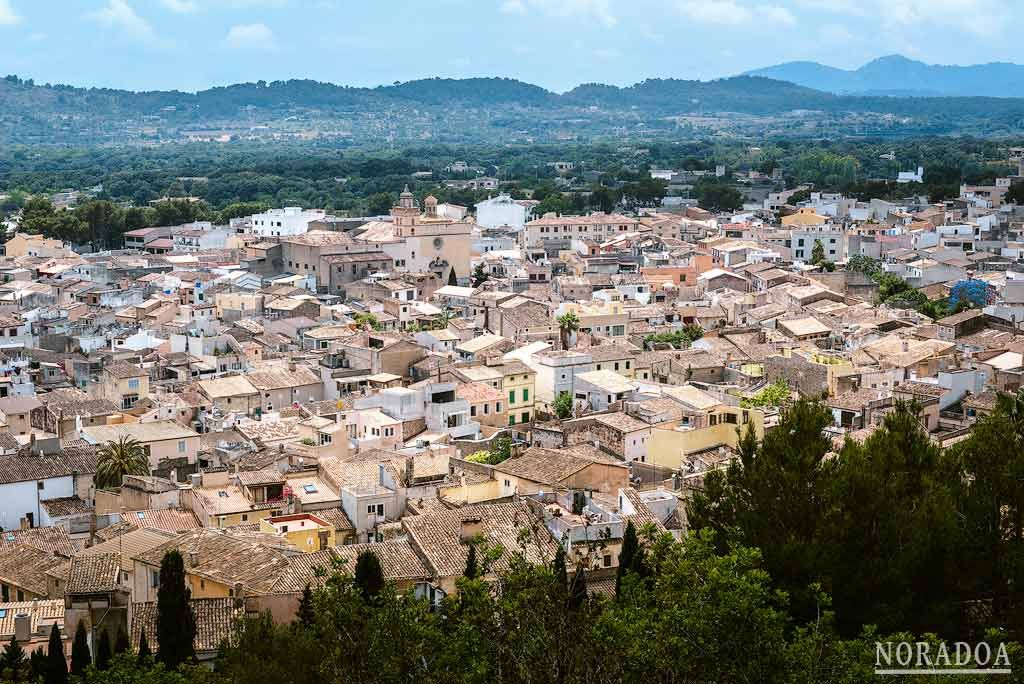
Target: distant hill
<point x="488" y="109"/>
<point x="898" y="75"/>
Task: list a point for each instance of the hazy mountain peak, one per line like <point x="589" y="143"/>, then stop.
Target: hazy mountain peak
<point x="898" y="74"/>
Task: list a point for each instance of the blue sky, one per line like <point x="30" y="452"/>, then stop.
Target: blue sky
<point x="194" y="44"/>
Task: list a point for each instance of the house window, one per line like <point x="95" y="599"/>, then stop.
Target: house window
<point x="40" y="485"/>
<point x="607" y="560"/>
<point x="181" y="446"/>
<point x="487" y="410"/>
<point x="508" y="483"/>
<point x="375" y="509"/>
<point x="154" y="578"/>
<point x="511" y="396"/>
<point x="133" y="383"/>
<point x="472" y="411"/>
<point x="511" y="420"/>
<point x="525" y="418"/>
<point x="497" y="407"/>
<point x="526" y="395"/>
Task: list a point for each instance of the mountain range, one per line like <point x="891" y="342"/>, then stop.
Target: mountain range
<point x="898" y="75"/>
<point x="798" y="101"/>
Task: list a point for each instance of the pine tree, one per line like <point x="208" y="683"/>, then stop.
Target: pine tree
<point x="472" y="568"/>
<point x="175" y="624"/>
<point x="103" y="650"/>
<point x="369" y="576"/>
<point x="145" y="655"/>
<point x="559" y="570"/>
<point x="13" y="659"/>
<point x="123" y="644"/>
<point x="306" y="612"/>
<point x="56" y="665"/>
<point x="578" y="589"/>
<point x="80" y="655"/>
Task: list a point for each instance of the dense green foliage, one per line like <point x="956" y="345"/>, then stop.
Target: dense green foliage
<point x="899" y="534"/>
<point x="680" y="339"/>
<point x="563" y="405"/>
<point x="775" y="394"/>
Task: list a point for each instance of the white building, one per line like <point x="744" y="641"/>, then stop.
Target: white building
<point x="910" y="176"/>
<point x="287" y="221"/>
<point x="502" y="210"/>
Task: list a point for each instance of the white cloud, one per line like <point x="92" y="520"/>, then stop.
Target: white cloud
<point x="513" y="7"/>
<point x="181" y="6"/>
<point x="119" y="15"/>
<point x="724" y="12"/>
<point x="598" y="10"/>
<point x="733" y="13"/>
<point x="7" y="14"/>
<point x="250" y="37"/>
<point x="777" y="15"/>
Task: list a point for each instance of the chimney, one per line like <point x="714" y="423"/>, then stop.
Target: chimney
<point x="291" y="366"/>
<point x="471" y="526"/>
<point x="193" y="559"/>
<point x="906" y="346"/>
<point x="22" y="627"/>
<point x="197" y="480"/>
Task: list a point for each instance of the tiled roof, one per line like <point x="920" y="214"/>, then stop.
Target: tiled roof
<point x="123" y="369"/>
<point x="398" y="561"/>
<point x="66" y="506"/>
<point x="94" y="573"/>
<point x="52" y="540"/>
<point x="227" y="557"/>
<point x="17" y="468"/>
<point x="253" y="478"/>
<point x="437" y="536"/>
<point x="25" y="567"/>
<point x="214" y="617"/>
<point x="129" y="545"/>
<point x="282" y="377"/>
<point x="43" y="612"/>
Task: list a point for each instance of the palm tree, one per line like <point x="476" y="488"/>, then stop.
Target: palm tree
<point x="114" y="460"/>
<point x="568" y="323"/>
<point x="442" y="319"/>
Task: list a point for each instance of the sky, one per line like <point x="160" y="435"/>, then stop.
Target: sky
<point x="557" y="44"/>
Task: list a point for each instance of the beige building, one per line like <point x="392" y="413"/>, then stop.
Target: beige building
<point x="285" y="385"/>
<point x="124" y="384"/>
<point x="598" y="226"/>
<point x="23" y="244"/>
<point x="162" y="440"/>
<point x="423" y="242"/>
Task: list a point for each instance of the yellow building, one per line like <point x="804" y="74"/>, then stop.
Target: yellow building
<point x="603" y="319"/>
<point x="519" y="385"/>
<point x="805" y="216"/>
<point x="23" y="244"/>
<point x="672" y="442"/>
<point x="124" y="384"/>
<point x="306" y="531"/>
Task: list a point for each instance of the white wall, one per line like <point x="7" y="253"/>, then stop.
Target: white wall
<point x="19" y="498"/>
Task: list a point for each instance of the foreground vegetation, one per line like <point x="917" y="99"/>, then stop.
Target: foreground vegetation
<point x="799" y="559"/>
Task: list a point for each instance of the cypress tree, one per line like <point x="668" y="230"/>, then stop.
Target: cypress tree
<point x="175" y="624"/>
<point x="80" y="655"/>
<point x="103" y="650"/>
<point x="630" y="557"/>
<point x="578" y="589"/>
<point x="306" y="613"/>
<point x="123" y="644"/>
<point x="369" y="576"/>
<point x="472" y="568"/>
<point x="56" y="666"/>
<point x="145" y="655"/>
<point x="559" y="570"/>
